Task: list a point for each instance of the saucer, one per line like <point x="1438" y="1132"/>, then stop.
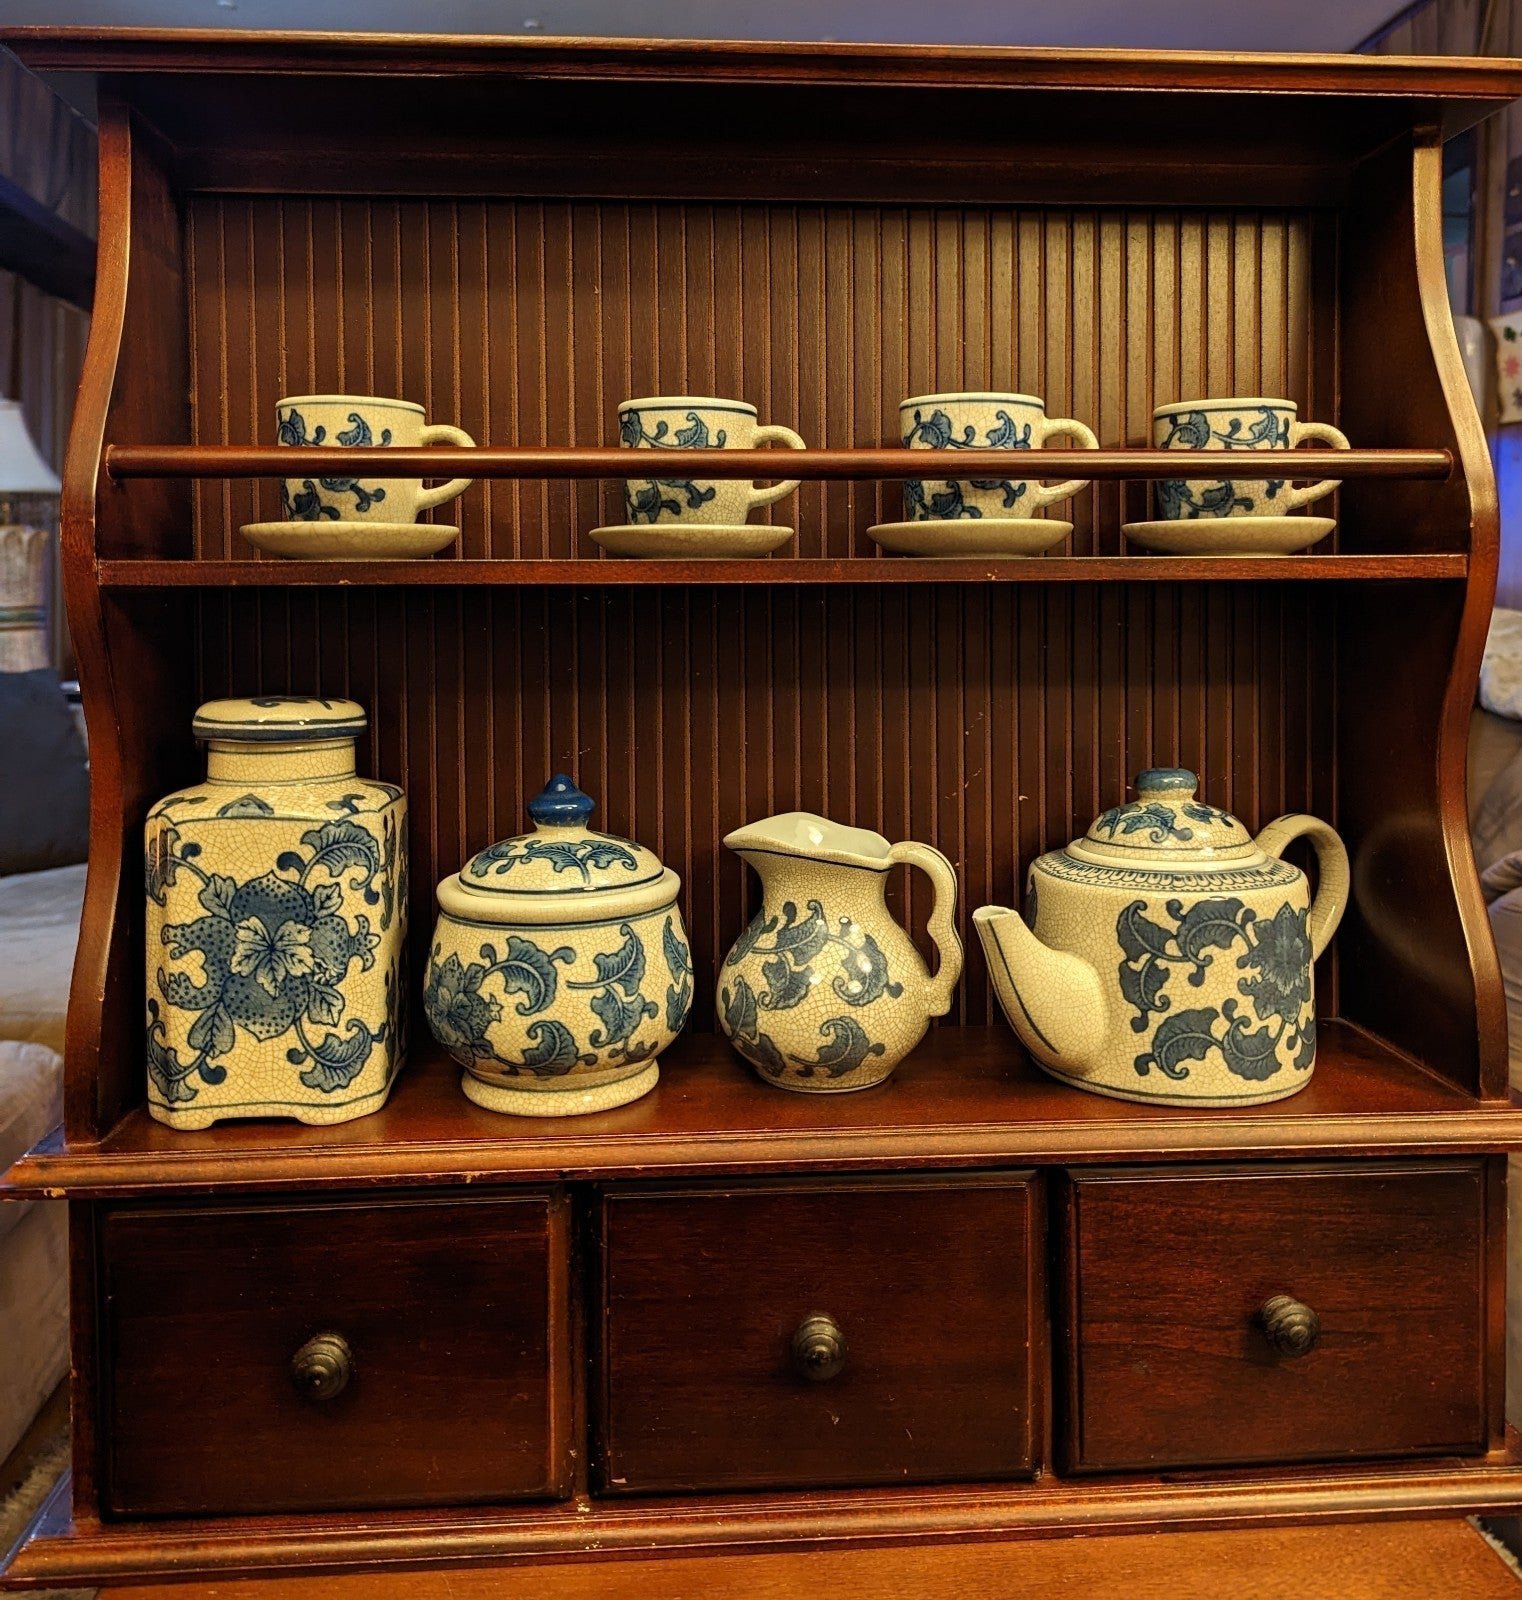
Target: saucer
<point x="350" y="541"/>
<point x="986" y="538"/>
<point x="1230" y="536"/>
<point x="714" y="541"/>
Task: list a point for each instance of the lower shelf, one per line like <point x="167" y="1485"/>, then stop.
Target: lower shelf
<point x="966" y="1097"/>
<point x="62" y="1552"/>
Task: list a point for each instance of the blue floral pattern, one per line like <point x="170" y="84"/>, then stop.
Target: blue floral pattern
<point x="1275" y="961"/>
<point x="563" y="855"/>
<point x="274" y="952"/>
<point x="307" y="504"/>
<point x="939" y="433"/>
<point x="648" y="501"/>
<point x="1179" y="498"/>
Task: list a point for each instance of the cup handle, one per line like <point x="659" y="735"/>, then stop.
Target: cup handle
<point x="942" y="925"/>
<point x="1331" y="857"/>
<point x="1298" y="433"/>
<point x="1046" y="494"/>
<point x="772" y="434"/>
<point x="442" y="433"/>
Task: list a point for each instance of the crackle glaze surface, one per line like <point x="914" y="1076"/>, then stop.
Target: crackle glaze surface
<point x="277" y="896"/>
<point x="824" y="991"/>
<point x="559" y="967"/>
<point x="1168" y="955"/>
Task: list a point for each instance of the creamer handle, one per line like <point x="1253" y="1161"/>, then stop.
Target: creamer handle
<point x="1331" y="856"/>
<point x="442" y="433"/>
<point x="1298" y="432"/>
<point x="943" y="927"/>
<point x="773" y="433"/>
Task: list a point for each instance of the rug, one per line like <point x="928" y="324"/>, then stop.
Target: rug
<point x="24" y="1501"/>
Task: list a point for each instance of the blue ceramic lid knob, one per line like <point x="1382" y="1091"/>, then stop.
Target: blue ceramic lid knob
<point x="560" y="804"/>
<point x="1166" y="780"/>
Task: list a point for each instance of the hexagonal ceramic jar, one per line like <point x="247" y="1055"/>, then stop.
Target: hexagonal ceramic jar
<point x="277" y="917"/>
<point x="559" y="968"/>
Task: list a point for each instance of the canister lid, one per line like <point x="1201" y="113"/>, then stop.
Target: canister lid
<point x="562" y="870"/>
<point x="278" y="719"/>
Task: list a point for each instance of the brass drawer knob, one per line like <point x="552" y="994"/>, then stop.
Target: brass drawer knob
<point x="1290" y="1327"/>
<point x="322" y="1367"/>
<point x="819" y="1348"/>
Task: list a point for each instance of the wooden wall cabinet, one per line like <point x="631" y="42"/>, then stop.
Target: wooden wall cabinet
<point x="1047" y="1309"/>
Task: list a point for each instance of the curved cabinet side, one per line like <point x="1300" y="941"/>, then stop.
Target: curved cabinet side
<point x="135" y="671"/>
<point x="1416" y="962"/>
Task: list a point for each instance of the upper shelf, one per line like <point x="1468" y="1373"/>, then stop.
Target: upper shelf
<point x="124" y="461"/>
<point x="966" y="1097"/>
<point x="314" y="113"/>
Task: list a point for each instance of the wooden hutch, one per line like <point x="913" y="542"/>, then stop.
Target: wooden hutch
<point x="576" y="1336"/>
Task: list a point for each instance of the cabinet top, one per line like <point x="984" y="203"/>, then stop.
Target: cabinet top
<point x="1495" y="80"/>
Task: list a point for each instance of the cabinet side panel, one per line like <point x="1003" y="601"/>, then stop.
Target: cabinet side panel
<point x="1418" y="963"/>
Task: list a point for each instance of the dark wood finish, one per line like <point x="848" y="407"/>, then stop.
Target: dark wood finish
<point x="1416" y="948"/>
<point x="456" y="1314"/>
<point x="1166" y="1277"/>
<point x="967" y="1097"/>
<point x="572" y="572"/>
<point x="44" y="248"/>
<point x="935" y="1285"/>
<point x="592" y="461"/>
<point x="1360" y="1561"/>
<point x="902" y="1519"/>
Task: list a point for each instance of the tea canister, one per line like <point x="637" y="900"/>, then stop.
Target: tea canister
<point x="1168" y="954"/>
<point x="559" y="968"/>
<point x="277" y="916"/>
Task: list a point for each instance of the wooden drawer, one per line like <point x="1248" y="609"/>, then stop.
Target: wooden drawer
<point x="1169" y="1359"/>
<point x="455" y="1313"/>
<point x="934" y="1285"/>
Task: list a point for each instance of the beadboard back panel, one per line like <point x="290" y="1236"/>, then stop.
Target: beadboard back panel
<point x="990" y="722"/>
<point x="526" y="322"/>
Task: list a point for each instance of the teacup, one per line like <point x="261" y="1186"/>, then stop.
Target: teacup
<point x="1236" y="424"/>
<point x="369" y="420"/>
<point x="975" y="421"/>
<point x="695" y="422"/>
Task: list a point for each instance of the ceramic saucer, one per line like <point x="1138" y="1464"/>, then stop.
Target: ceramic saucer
<point x="1230" y="536"/>
<point x="984" y="538"/>
<point x="710" y="540"/>
<point x="350" y="541"/>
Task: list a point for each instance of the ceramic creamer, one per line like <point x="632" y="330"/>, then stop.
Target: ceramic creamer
<point x="277" y="917"/>
<point x="1167" y="955"/>
<point x="824" y="990"/>
<point x="559" y="968"/>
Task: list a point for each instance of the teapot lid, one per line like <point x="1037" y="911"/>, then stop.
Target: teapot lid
<point x="562" y="871"/>
<point x="1166" y="825"/>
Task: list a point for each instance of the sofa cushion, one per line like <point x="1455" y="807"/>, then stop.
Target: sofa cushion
<point x="39" y="927"/>
<point x="31" y="1105"/>
<point x="34" y="1312"/>
<point x="45" y="800"/>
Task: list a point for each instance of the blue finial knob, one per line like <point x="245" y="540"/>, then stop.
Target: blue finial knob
<point x="560" y="804"/>
<point x="1166" y="780"/>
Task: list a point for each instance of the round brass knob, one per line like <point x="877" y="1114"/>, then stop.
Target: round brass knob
<point x="1290" y="1327"/>
<point x="819" y="1348"/>
<point x="322" y="1367"/>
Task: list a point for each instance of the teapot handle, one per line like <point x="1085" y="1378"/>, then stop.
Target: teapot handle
<point x="1331" y="856"/>
<point x="942" y="920"/>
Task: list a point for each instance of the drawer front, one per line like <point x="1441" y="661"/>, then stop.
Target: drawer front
<point x="1172" y="1358"/>
<point x="454" y="1314"/>
<point x="706" y="1292"/>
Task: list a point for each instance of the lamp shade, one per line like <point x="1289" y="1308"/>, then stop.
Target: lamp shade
<point x="22" y="469"/>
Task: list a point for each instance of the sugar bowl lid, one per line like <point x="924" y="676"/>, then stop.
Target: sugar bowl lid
<point x="278" y="719"/>
<point x="561" y="872"/>
<point x="1166" y="826"/>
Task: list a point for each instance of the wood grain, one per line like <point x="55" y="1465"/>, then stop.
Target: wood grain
<point x="456" y="1313"/>
<point x="1359" y="1561"/>
<point x="701" y="1291"/>
<point x="966" y="1097"/>
<point x="1166" y="1363"/>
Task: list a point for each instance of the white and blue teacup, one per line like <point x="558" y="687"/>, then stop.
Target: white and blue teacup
<point x="977" y="421"/>
<point x="360" y="420"/>
<point x="697" y="422"/>
<point x="1236" y="424"/>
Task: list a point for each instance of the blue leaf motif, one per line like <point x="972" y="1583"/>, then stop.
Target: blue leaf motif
<point x="247" y="805"/>
<point x="846" y="1047"/>
<point x="1249" y="1055"/>
<point x="678" y="956"/>
<point x="337" y="846"/>
<point x="801" y="941"/>
<point x="1185" y="1036"/>
<point x="1206" y="925"/>
<point x="553" y="1052"/>
<point x="1139" y="936"/>
<point x="619" y="1017"/>
<point x="217" y="894"/>
<point x="695" y="435"/>
<point x="527" y="970"/>
<point x="739" y="1009"/>
<point x="623" y="967"/>
<point x="786" y="985"/>
<point x="865" y="975"/>
<point x="336" y="1061"/>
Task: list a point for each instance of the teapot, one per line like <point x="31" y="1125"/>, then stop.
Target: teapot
<point x="824" y="991"/>
<point x="1167" y="955"/>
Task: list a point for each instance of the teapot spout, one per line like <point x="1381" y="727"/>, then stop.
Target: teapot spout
<point x="1054" y="1001"/>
